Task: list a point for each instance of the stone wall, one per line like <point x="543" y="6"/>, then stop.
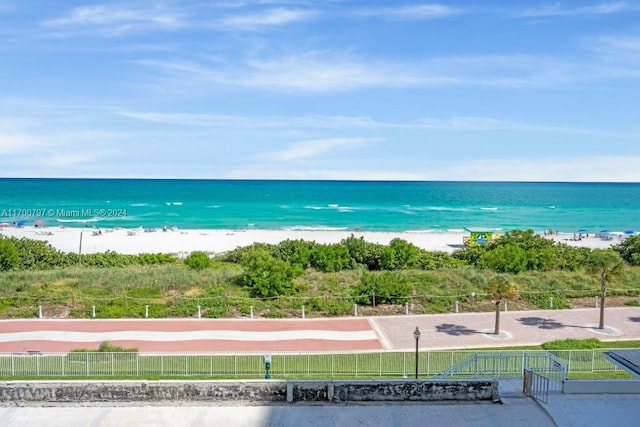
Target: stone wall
<point x="267" y="391"/>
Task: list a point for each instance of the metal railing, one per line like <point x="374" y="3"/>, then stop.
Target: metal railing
<point x="375" y="364"/>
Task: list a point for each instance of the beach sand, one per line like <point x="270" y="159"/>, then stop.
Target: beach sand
<point x="182" y="242"/>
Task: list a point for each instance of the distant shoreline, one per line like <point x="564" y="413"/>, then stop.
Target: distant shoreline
<point x="184" y="241"/>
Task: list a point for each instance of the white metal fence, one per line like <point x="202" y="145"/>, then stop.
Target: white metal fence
<point x="376" y="364"/>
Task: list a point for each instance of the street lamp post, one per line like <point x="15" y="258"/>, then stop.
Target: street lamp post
<point x="416" y="335"/>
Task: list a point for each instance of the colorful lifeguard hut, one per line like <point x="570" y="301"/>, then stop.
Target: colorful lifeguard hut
<point x="479" y="236"/>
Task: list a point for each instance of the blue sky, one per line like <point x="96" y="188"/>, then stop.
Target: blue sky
<point x="333" y="89"/>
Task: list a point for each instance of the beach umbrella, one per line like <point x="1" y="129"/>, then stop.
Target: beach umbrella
<point x="629" y="232"/>
<point x="37" y="222"/>
<point x="582" y="230"/>
<point x="4" y="224"/>
<point x="604" y="231"/>
<point x="20" y="223"/>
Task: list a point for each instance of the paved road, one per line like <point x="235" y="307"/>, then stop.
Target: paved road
<point x="441" y="331"/>
<point x="471" y="330"/>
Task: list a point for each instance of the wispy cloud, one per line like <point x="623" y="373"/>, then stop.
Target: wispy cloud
<point x="410" y="12"/>
<point x="267" y="18"/>
<point x="309" y="72"/>
<point x="358" y="123"/>
<point x="335" y="72"/>
<point x="558" y="10"/>
<point x="254" y="122"/>
<point x="312" y="149"/>
<point x="112" y="21"/>
<point x="618" y="57"/>
<point x="575" y="169"/>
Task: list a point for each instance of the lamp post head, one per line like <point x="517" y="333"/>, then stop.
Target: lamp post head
<point x="416" y="333"/>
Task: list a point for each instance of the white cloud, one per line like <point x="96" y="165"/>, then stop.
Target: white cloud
<point x="362" y="123"/>
<point x="352" y="174"/>
<point x="17" y="142"/>
<point x="558" y="10"/>
<point x="579" y="169"/>
<point x="574" y="169"/>
<point x="311" y="72"/>
<point x="268" y="18"/>
<point x="318" y="72"/>
<point x="410" y="12"/>
<point x="312" y="149"/>
<point x="254" y="122"/>
<point x="113" y="22"/>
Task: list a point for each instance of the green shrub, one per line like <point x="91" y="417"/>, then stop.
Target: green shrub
<point x="573" y="344"/>
<point x="197" y="260"/>
<point x="268" y="276"/>
<point x="382" y="288"/>
<point x="329" y="258"/>
<point x="9" y="256"/>
<point x="543" y="301"/>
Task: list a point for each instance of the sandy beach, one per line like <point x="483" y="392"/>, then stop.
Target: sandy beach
<point x="182" y="242"/>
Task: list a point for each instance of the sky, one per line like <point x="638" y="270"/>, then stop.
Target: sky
<point x="332" y="89"/>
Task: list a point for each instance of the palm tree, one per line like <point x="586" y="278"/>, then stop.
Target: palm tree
<point x="607" y="264"/>
<point x="500" y="289"/>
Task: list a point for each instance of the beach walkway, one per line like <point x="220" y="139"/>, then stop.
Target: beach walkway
<point x="355" y="334"/>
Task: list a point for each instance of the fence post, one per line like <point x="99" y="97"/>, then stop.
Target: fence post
<point x="303" y="311"/>
<point x="39" y="312"/>
<point x="596" y="298"/>
<point x="506" y="307"/>
<point x="146" y="311"/>
<point x="251" y="312"/>
<point x="199" y="313"/>
<point x="355" y="310"/>
<point x="406" y="306"/>
<point x="456" y="306"/>
<point x="551" y="302"/>
<point x="93" y="311"/>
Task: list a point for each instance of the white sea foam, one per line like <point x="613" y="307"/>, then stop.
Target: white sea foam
<point x="314" y="228"/>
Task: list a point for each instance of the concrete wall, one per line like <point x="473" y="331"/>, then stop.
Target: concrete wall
<point x="601" y="387"/>
<point x="268" y="391"/>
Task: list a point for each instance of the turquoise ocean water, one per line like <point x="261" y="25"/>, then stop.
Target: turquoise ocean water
<point x="321" y="205"/>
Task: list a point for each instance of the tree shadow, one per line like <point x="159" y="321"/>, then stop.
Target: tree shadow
<point x="541" y="323"/>
<point x="635" y="319"/>
<point x="455" y="330"/>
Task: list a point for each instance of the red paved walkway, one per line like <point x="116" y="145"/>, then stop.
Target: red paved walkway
<point x="441" y="331"/>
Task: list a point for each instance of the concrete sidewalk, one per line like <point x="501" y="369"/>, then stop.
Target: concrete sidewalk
<point x="562" y="410"/>
<point x="475" y="330"/>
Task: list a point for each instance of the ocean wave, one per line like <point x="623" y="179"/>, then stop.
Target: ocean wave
<point x="314" y="228"/>
<point x="139" y="205"/>
<point x="439" y="208"/>
<point x="174" y="203"/>
<point x="77" y="221"/>
<point x="488" y="209"/>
